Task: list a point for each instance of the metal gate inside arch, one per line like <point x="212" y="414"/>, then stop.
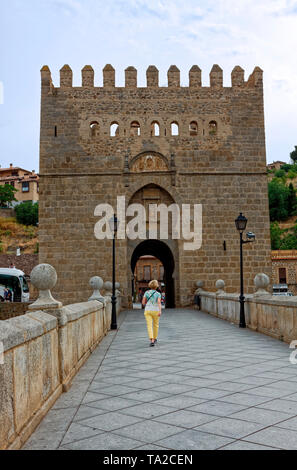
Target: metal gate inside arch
<point x="160" y="250"/>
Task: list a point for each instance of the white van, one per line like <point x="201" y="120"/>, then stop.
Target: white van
<point x="14" y="279"/>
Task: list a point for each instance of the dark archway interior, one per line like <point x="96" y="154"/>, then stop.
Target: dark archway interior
<point x="161" y="251"/>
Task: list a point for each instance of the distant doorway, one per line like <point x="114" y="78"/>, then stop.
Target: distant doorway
<point x="147" y="255"/>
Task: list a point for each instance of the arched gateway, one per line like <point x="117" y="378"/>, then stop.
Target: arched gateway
<point x="162" y="251"/>
<point x="164" y="150"/>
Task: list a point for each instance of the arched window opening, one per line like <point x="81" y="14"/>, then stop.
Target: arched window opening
<point x="155" y="129"/>
<point x="114" y="129"/>
<point x="135" y="129"/>
<point x="193" y="128"/>
<point x="94" y="129"/>
<point x="174" y="128"/>
<point x="213" y="128"/>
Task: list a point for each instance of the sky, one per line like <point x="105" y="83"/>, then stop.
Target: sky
<point x="140" y="33"/>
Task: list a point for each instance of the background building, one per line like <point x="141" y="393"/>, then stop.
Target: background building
<point x="284" y="268"/>
<point x="26" y="182"/>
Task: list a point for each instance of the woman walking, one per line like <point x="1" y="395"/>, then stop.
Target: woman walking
<point x="152" y="302"/>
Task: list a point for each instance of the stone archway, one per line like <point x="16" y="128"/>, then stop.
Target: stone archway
<point x="160" y="250"/>
<point x="166" y="250"/>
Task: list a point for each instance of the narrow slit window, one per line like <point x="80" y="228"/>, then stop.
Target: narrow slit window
<point x="114" y="129"/>
<point x="155" y="129"/>
<point x="282" y="272"/>
<point x="56" y="131"/>
<point x="135" y="129"/>
<point x="193" y="128"/>
<point x="174" y="128"/>
<point x="213" y="128"/>
<point x="94" y="129"/>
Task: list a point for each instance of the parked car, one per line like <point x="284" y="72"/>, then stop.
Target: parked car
<point x="14" y="280"/>
<point x="281" y="289"/>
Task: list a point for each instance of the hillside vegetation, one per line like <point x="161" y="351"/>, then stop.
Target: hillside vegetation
<point x="14" y="235"/>
<point x="283" y="207"/>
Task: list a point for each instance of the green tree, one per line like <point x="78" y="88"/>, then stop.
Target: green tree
<point x="292" y="200"/>
<point x="278" y="194"/>
<point x="7" y="194"/>
<point x="275" y="235"/>
<point x="293" y="155"/>
<point x="286" y="167"/>
<point x="280" y="173"/>
<point x="27" y="213"/>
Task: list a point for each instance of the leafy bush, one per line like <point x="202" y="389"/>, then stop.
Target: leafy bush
<point x="286" y="167"/>
<point x="280" y="173"/>
<point x="27" y="213"/>
<point x="292" y="174"/>
<point x="283" y="239"/>
<point x="7" y="194"/>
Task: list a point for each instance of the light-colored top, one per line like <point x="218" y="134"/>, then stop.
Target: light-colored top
<point x="152" y="297"/>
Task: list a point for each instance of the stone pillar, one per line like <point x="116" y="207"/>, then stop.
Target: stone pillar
<point x="66" y="77"/>
<point x="195" y="77"/>
<point x="46" y="80"/>
<point x="108" y="76"/>
<point x="44" y="278"/>
<point x="216" y="76"/>
<point x="173" y="75"/>
<point x="97" y="283"/>
<point x="261" y="282"/>
<point x="87" y="76"/>
<point x="130" y="77"/>
<point x="152" y="76"/>
<point x="108" y="293"/>
<point x="220" y="285"/>
<point x="237" y="76"/>
<point x="199" y="285"/>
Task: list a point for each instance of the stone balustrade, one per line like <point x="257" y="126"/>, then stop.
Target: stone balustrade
<point x="42" y="351"/>
<point x="275" y="316"/>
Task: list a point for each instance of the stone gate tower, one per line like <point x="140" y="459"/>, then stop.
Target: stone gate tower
<point x="194" y="145"/>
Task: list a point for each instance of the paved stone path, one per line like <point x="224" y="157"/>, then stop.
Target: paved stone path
<point x="206" y="385"/>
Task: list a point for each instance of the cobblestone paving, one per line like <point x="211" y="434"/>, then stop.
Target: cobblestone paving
<point x="206" y="385"/>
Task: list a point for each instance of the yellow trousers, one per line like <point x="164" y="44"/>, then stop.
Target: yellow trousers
<point x="152" y="322"/>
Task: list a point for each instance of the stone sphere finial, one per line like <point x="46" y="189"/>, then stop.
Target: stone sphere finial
<point x="108" y="288"/>
<point x="261" y="281"/>
<point x="44" y="278"/>
<point x="96" y="283"/>
<point x="220" y="286"/>
<point x="199" y="284"/>
<point x="117" y="285"/>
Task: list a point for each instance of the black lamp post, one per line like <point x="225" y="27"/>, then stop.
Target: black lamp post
<point x="113" y="223"/>
<point x="240" y="224"/>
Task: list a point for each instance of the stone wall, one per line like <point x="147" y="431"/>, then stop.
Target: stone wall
<point x="25" y="262"/>
<point x="42" y="350"/>
<point x="275" y="316"/>
<point x="222" y="168"/>
<point x="42" y="353"/>
<point x="12" y="309"/>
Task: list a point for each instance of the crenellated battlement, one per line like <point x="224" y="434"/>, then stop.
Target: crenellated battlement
<point x="152" y="77"/>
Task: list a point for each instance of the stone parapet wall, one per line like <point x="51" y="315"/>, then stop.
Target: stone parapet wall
<point x="12" y="309"/>
<point x="42" y="353"/>
<point x="271" y="315"/>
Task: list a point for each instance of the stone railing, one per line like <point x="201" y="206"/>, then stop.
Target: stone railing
<point x="275" y="316"/>
<point x="42" y="350"/>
